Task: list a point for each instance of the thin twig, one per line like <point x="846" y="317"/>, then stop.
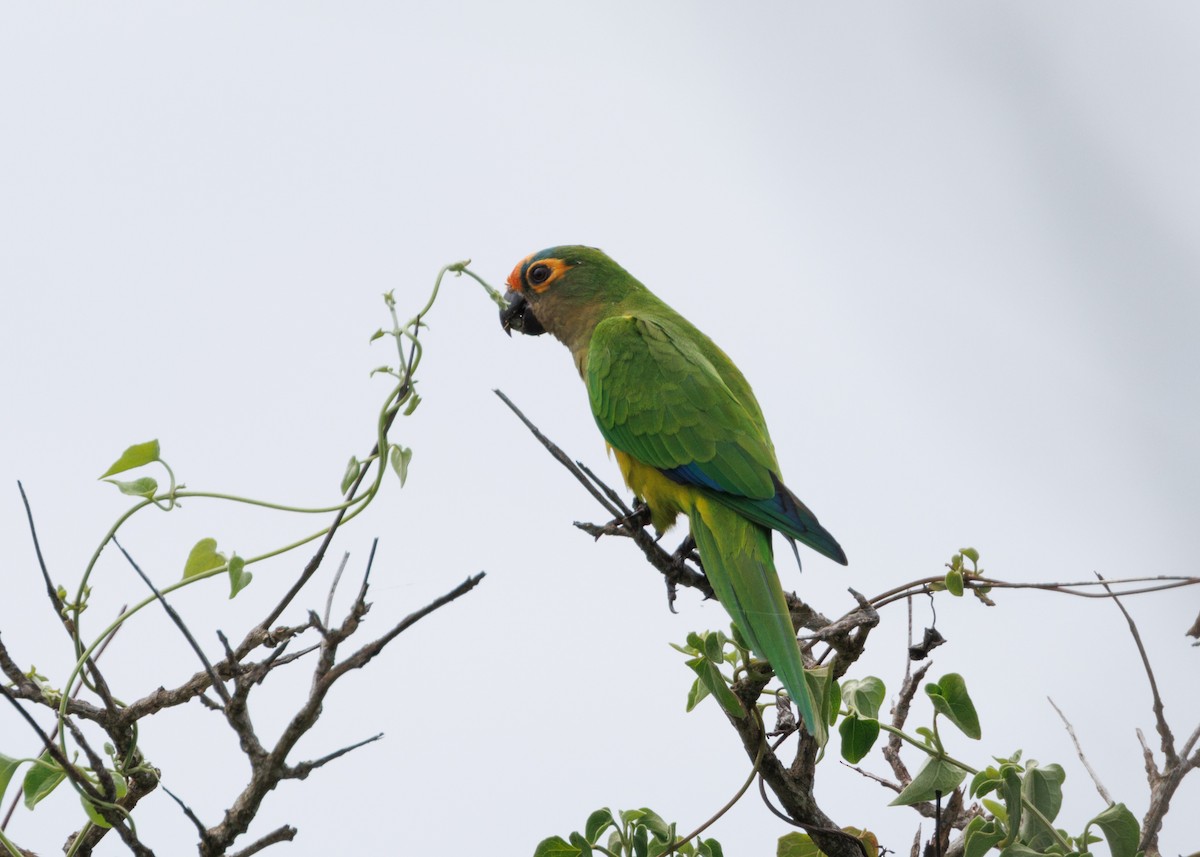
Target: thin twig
<point x="187" y="810"/>
<point x="217" y="684"/>
<point x="896" y="787"/>
<point x="337" y="576"/>
<point x="1079" y="751"/>
<point x="715" y="817"/>
<point x="608" y="492"/>
<point x="563" y="459"/>
<point x="302" y="770"/>
<point x="51" y="591"/>
<point x="1164" y="730"/>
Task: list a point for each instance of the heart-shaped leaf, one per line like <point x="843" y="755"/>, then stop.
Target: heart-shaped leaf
<point x="203" y="557"/>
<point x="134" y="456"/>
<point x="951" y="700"/>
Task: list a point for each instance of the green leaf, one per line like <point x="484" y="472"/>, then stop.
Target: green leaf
<point x="826" y="698"/>
<point x="353" y="468"/>
<point x="867" y="838"/>
<point x="1019" y="850"/>
<point x="797" y="845"/>
<point x="555" y="846"/>
<point x="738" y="637"/>
<point x="697" y="693"/>
<point x="412" y="404"/>
<point x="712" y="679"/>
<point x="641" y="842"/>
<point x="801" y="845"/>
<point x="598" y="822"/>
<point x="980" y="836"/>
<point x="864" y="696"/>
<point x="239" y="578"/>
<point x="858" y="737"/>
<point x="93" y="814"/>
<point x="203" y="557"/>
<point x="119" y="790"/>
<point x="616" y="842"/>
<point x="711" y="848"/>
<point x="996" y="808"/>
<point x="134" y="456"/>
<point x="654" y="823"/>
<point x="954" y="583"/>
<point x="970" y="553"/>
<point x="379" y="334"/>
<point x="1120" y="828"/>
<point x="585" y="848"/>
<point x="8" y="767"/>
<point x="144" y="487"/>
<point x="986" y="781"/>
<point x="1011" y="792"/>
<point x="1042" y="787"/>
<point x="712" y="647"/>
<point x="629" y="816"/>
<point x="400" y="457"/>
<point x="936" y="775"/>
<point x="41" y="779"/>
<point x="951" y="700"/>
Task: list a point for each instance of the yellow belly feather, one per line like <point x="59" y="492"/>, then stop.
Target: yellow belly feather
<point x="665" y="498"/>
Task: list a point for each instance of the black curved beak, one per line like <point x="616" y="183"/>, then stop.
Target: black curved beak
<point x="518" y="316"/>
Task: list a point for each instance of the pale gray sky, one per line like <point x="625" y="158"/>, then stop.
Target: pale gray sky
<point x="952" y="246"/>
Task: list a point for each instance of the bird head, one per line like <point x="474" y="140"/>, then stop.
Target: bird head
<point x="555" y="290"/>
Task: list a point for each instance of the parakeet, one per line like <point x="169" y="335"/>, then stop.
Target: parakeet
<point x="688" y="435"/>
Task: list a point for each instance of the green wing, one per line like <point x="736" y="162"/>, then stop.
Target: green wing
<point x="663" y="393"/>
<point x="658" y="397"/>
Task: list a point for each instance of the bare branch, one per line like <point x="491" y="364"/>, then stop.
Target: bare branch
<point x="286" y="833"/>
<point x="891" y="750"/>
<point x="187" y="810"/>
<point x="563" y="459"/>
<point x="302" y="770"/>
<point x="60" y="610"/>
<point x="268" y="768"/>
<point x="887" y="784"/>
<point x="1164" y="730"/>
<point x="334" y="585"/>
<point x="1079" y="751"/>
<point x="51" y="591"/>
<point x="370" y="650"/>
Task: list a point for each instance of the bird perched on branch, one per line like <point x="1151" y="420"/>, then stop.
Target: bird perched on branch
<point x="687" y="433"/>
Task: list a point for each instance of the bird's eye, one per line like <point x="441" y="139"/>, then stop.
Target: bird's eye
<point x="538" y="274"/>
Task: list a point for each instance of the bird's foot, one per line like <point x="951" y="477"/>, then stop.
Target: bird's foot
<point x="686" y="550"/>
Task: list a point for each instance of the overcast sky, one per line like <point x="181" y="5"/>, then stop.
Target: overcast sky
<point x="953" y="247"/>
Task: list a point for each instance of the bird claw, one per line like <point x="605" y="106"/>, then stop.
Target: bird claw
<point x="685" y="550"/>
<point x="639" y="517"/>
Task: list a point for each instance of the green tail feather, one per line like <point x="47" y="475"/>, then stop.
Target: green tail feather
<point x="738" y="561"/>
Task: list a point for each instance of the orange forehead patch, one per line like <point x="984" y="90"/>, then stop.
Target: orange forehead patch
<point x="514" y="279"/>
<point x="519" y="278"/>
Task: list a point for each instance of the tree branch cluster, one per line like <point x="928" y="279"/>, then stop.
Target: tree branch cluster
<point x="231" y="680"/>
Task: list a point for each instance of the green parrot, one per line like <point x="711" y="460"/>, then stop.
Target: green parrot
<point x="687" y="433"/>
